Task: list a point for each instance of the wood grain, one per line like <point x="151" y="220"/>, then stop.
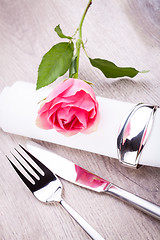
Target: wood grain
<point x="125" y="32"/>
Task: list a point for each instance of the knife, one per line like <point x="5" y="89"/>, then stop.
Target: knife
<point x="80" y="176"/>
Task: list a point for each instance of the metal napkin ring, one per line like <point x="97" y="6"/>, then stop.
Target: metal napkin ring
<point x="133" y="134"/>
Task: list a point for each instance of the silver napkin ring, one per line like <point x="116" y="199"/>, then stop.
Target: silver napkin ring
<point x="133" y="134"/>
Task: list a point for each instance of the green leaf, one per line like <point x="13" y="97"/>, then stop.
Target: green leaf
<point x="110" y="70"/>
<point x="55" y="63"/>
<point x="88" y="82"/>
<point x="73" y="67"/>
<point x="58" y="30"/>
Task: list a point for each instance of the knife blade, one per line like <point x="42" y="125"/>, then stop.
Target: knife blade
<point x="67" y="169"/>
<point x="80" y="176"/>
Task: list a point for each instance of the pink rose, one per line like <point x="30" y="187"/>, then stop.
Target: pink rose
<point x="70" y="108"/>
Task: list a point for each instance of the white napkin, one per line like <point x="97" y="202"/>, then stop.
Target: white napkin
<point x="18" y="111"/>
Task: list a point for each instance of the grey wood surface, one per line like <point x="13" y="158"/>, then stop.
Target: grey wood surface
<point x="125" y="32"/>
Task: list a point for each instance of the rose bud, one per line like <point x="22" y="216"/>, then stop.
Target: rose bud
<point x="70" y="108"/>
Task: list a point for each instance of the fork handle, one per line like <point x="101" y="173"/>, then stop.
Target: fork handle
<point x="87" y="228"/>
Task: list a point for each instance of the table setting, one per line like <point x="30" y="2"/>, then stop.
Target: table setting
<point x="79" y="120"/>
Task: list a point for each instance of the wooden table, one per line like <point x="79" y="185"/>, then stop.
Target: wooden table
<point x="125" y="32"/>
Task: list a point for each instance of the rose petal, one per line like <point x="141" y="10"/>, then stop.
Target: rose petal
<point x="81" y="100"/>
<point x="79" y="85"/>
<point x="61" y="88"/>
<point x="42" y="121"/>
<point x="82" y="117"/>
<point x="92" y="124"/>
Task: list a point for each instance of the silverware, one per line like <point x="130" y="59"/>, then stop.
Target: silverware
<point x="47" y="187"/>
<point x="133" y="134"/>
<point x="77" y="175"/>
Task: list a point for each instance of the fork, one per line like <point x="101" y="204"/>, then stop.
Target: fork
<point x="47" y="187"/>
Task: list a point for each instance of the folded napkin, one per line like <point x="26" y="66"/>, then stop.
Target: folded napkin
<point x="18" y="112"/>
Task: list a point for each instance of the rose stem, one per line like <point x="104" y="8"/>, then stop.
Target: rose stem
<point x="79" y="41"/>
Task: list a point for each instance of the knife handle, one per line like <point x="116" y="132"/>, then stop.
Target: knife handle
<point x="88" y="229"/>
<point x="138" y="202"/>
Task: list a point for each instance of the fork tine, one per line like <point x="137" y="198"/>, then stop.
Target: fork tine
<point x="24" y="179"/>
<point x="30" y="174"/>
<point x="41" y="165"/>
<point x="35" y="170"/>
